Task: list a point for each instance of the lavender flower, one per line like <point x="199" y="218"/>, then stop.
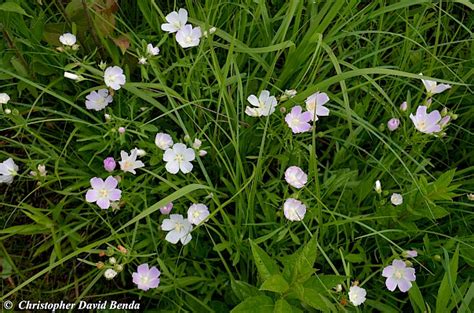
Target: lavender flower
<point x="315" y="104"/>
<point x="103" y="192"/>
<point x="294" y="210"/>
<point x="109" y="164"/>
<point x="296" y="177"/>
<point x="98" y="100"/>
<point x="398" y="274"/>
<point x="146" y="278"/>
<point x="426" y="123"/>
<point x="393" y="124"/>
<point x="298" y="121"/>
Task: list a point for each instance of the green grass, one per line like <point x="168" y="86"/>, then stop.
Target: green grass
<point x="365" y="55"/>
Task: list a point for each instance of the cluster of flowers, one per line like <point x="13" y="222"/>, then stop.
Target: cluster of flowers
<point x="178" y="157"/>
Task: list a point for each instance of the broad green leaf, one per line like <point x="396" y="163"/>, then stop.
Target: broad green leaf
<point x="243" y="290"/>
<point x="13" y="8"/>
<point x="258" y="304"/>
<point x="323" y="283"/>
<point x="445" y="290"/>
<point x="275" y="283"/>
<point x="266" y="266"/>
<point x="416" y="297"/>
<point x="282" y="306"/>
<point x="316" y="300"/>
<point x="305" y="260"/>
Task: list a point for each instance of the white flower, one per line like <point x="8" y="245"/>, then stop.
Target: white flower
<point x="163" y="141"/>
<point x="110" y="273"/>
<point x="396" y="199"/>
<point x="179" y="157"/>
<point x="179" y="229"/>
<point x="197" y="144"/>
<point x="67" y="39"/>
<point x="290" y="93"/>
<point x="296" y="177"/>
<point x="264" y="105"/>
<point x="357" y="295"/>
<point x="71" y="76"/>
<point x="197" y="213"/>
<point x="315" y="104"/>
<point x="4" y="98"/>
<point x="8" y="169"/>
<point x="130" y="163"/>
<point x="378" y="186"/>
<point x="42" y="170"/>
<point x="433" y="88"/>
<point x="114" y="78"/>
<point x="176" y="21"/>
<point x="142" y="60"/>
<point x="98" y="100"/>
<point x="8" y="111"/>
<point x="112" y="260"/>
<point x="188" y="36"/>
<point x="294" y="210"/>
<point x="152" y="50"/>
<point x="399" y="275"/>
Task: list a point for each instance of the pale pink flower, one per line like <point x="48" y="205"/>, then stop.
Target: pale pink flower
<point x="403" y="106"/>
<point x="166" y="209"/>
<point x="152" y="50"/>
<point x="264" y="105"/>
<point x="296" y="177"/>
<point x="67" y="39"/>
<point x="103" y="192"/>
<point x="298" y="121"/>
<point x="426" y="123"/>
<point x="432" y="86"/>
<point x="294" y="210"/>
<point x="109" y="164"/>
<point x="197" y="213"/>
<point x="188" y="36"/>
<point x="393" y="124"/>
<point x="146" y="278"/>
<point x="114" y="77"/>
<point x="398" y="274"/>
<point x="98" y="100"/>
<point x="163" y="141"/>
<point x="315" y="104"/>
<point x="178" y="158"/>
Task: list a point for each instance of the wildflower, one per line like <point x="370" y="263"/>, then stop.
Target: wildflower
<point x="176" y="21"/>
<point x="197" y="144"/>
<point x="152" y="50"/>
<point x="294" y="210"/>
<point x="410" y="253"/>
<point x="470" y="196"/>
<point x="188" y="36"/>
<point x="146" y="278"/>
<point x="110" y="273"/>
<point x="42" y="170"/>
<point x="426" y="123"/>
<point x="378" y="187"/>
<point x="142" y="60"/>
<point x="129" y="163"/>
<point x="396" y="199"/>
<point x="98" y="100"/>
<point x="72" y="76"/>
<point x="109" y="164"/>
<point x="264" y="104"/>
<point x="433" y="88"/>
<point x="179" y="229"/>
<point x="298" y="121"/>
<point x="8" y="169"/>
<point x="393" y="124"/>
<point x="4" y="98"/>
<point x="315" y="104"/>
<point x="179" y="157"/>
<point x="121" y="130"/>
<point x="163" y="141"/>
<point x="398" y="274"/>
<point x="357" y="295"/>
<point x="197" y="213"/>
<point x="103" y="192"/>
<point x="114" y="78"/>
<point x="296" y="177"/>
<point x="67" y="39"/>
<point x="202" y="153"/>
<point x="403" y="106"/>
<point x="166" y="209"/>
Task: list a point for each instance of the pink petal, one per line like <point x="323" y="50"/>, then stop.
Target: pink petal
<point x="97" y="183"/>
<point x="142" y="269"/>
<point x="391" y="283"/>
<point x="404" y="285"/>
<point x="115" y="194"/>
<point x="92" y="195"/>
<point x="110" y="183"/>
<point x="103" y="203"/>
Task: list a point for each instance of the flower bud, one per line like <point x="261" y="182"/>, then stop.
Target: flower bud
<point x="112" y="260"/>
<point x="121" y="130"/>
<point x="8" y="111"/>
<point x="110" y="273"/>
<point x="197" y="144"/>
<point x="378" y="187"/>
<point x="403" y="106"/>
<point x="109" y="164"/>
<point x="166" y="209"/>
<point x="100" y="265"/>
<point x="202" y="153"/>
<point x="393" y="124"/>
